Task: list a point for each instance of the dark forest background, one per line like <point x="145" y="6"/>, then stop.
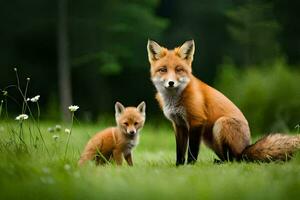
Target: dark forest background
<point x="92" y="53"/>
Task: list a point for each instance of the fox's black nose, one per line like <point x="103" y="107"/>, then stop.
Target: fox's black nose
<point x="132" y="132"/>
<point x="171" y="83"/>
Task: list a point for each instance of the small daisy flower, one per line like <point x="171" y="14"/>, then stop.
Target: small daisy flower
<point x="50" y="129"/>
<point x="55" y="137"/>
<point x="35" y="99"/>
<point x="57" y="127"/>
<point x="73" y="108"/>
<point x="67" y="130"/>
<point x="22" y="117"/>
<point x="28" y="99"/>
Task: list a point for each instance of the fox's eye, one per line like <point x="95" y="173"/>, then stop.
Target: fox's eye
<point x="126" y="124"/>
<point x="135" y="123"/>
<point x="163" y="70"/>
<point x="179" y="69"/>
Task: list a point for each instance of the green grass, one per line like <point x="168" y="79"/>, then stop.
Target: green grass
<point x="37" y="175"/>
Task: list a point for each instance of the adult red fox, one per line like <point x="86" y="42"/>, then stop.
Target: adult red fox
<point x="115" y="142"/>
<point x="199" y="111"/>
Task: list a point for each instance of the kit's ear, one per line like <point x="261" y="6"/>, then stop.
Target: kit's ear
<point x="119" y="109"/>
<point x="142" y="107"/>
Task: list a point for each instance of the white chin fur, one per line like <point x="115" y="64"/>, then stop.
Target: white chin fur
<point x="163" y="86"/>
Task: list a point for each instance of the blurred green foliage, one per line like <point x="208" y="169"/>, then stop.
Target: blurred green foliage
<point x="267" y="95"/>
<point x="111" y="33"/>
<point x="107" y="44"/>
<point x="254" y="30"/>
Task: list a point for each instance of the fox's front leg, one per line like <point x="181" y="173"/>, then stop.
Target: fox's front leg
<point x="194" y="144"/>
<point x="181" y="134"/>
<point x="117" y="156"/>
<point x="128" y="158"/>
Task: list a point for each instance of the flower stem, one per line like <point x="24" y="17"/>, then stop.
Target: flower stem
<point x="25" y="105"/>
<point x="21" y="135"/>
<point x="1" y="108"/>
<point x="68" y="140"/>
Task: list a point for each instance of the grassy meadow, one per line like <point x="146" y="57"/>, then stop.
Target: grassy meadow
<point x="44" y="170"/>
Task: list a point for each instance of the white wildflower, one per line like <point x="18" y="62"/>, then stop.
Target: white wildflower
<point x="67" y="167"/>
<point x="67" y="130"/>
<point x="35" y="99"/>
<point x="50" y="129"/>
<point x="55" y="137"/>
<point x="22" y="117"/>
<point x="73" y="108"/>
<point x="57" y="127"/>
<point x="28" y="99"/>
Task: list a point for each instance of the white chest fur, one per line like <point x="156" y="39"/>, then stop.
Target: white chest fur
<point x="130" y="144"/>
<point x="173" y="110"/>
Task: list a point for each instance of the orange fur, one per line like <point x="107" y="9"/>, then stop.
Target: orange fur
<point x="115" y="142"/>
<point x="199" y="111"/>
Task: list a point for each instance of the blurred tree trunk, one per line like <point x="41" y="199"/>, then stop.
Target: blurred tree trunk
<point x="64" y="74"/>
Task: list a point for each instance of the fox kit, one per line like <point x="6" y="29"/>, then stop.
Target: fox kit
<point x="200" y="112"/>
<point x="116" y="142"/>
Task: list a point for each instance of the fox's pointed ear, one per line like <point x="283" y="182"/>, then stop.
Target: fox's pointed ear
<point x="142" y="107"/>
<point x="186" y="51"/>
<point x="119" y="108"/>
<point x="154" y="51"/>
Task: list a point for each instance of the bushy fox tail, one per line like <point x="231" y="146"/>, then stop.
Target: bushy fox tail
<point x="274" y="147"/>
